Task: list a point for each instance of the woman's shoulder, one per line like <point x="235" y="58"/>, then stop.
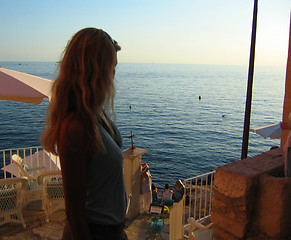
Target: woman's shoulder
<point x="72" y="134"/>
<point x="73" y="125"/>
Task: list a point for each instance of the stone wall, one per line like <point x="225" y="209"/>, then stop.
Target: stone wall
<point x="252" y="199"/>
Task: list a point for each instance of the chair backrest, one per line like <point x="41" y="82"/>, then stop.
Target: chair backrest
<point x="11" y="200"/>
<point x="10" y="192"/>
<point x="52" y="192"/>
<point x="52" y="184"/>
<point x="41" y="178"/>
<point x="17" y="161"/>
<point x="9" y="183"/>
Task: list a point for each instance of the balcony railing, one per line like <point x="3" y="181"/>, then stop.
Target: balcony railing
<point x="35" y="157"/>
<point x="199" y="191"/>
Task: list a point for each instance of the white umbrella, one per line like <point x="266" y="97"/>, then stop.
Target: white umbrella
<point x="43" y="159"/>
<point x="22" y="87"/>
<point x="272" y="131"/>
<point x="37" y="160"/>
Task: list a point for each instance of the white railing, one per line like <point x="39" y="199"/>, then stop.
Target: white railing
<point x="199" y="191"/>
<point x="196" y="206"/>
<point x="35" y="157"/>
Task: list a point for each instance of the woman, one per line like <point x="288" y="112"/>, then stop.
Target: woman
<point x="167" y="196"/>
<point x="167" y="192"/>
<point x="86" y="140"/>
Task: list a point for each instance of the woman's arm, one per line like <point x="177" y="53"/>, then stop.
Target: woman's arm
<point x="74" y="158"/>
<point x="286" y="125"/>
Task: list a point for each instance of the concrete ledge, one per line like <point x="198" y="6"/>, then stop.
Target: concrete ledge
<point x="251" y="198"/>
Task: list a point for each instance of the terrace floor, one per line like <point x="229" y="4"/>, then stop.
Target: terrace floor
<point x="37" y="228"/>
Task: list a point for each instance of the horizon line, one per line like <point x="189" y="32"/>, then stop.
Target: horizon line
<point x="213" y="64"/>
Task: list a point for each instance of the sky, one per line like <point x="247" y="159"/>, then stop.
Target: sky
<point x="150" y="31"/>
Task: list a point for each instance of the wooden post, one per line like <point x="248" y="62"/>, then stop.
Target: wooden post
<point x="132" y="173"/>
<point x="245" y="144"/>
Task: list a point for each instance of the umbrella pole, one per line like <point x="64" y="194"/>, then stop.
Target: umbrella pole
<point x="247" y="119"/>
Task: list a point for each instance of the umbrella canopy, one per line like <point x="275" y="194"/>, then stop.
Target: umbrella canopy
<point x="272" y="131"/>
<point x="37" y="160"/>
<point x="43" y="159"/>
<point x="22" y="87"/>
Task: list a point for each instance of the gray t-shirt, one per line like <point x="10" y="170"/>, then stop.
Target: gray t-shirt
<point x="106" y="196"/>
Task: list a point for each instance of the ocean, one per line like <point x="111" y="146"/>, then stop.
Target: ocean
<point x="184" y="136"/>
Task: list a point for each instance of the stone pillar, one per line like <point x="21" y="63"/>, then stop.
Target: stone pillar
<point x="132" y="173"/>
<point x="251" y="199"/>
<point x="176" y="220"/>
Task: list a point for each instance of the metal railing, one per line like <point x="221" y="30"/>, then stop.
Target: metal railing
<point x="199" y="191"/>
<point x="35" y="157"/>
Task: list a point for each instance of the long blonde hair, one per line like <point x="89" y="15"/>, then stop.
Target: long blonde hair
<point x="84" y="85"/>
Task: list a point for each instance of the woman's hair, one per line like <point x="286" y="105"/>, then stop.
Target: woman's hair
<point x="83" y="87"/>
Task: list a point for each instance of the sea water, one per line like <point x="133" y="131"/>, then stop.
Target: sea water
<point x="184" y="136"/>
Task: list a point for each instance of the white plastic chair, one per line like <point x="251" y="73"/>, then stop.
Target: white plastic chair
<point x="11" y="200"/>
<point x="52" y="192"/>
<point x="197" y="231"/>
<point x="33" y="192"/>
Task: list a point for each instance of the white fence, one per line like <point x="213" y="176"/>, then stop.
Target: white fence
<point x="195" y="207"/>
<point x="199" y="191"/>
<point x="34" y="157"/>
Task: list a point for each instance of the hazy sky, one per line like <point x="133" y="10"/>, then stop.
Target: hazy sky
<point x="151" y="31"/>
